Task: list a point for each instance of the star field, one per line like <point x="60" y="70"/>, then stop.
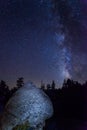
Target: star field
<point x="43" y="40"/>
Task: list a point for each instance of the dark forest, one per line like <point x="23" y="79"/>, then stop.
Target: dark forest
<point x="69" y="102"/>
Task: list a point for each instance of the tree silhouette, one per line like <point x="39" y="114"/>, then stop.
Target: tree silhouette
<point x="4" y="94"/>
<point x="53" y="85"/>
<point x="42" y="85"/>
<point x="20" y="82"/>
<point x="48" y="86"/>
<point x="4" y="89"/>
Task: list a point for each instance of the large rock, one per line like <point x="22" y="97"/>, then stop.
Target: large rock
<point x="28" y="104"/>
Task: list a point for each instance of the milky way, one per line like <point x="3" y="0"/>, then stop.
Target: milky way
<point x="66" y="18"/>
<point x="73" y="45"/>
<point x="49" y="35"/>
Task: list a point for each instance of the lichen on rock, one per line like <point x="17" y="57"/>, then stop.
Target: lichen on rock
<point x="24" y="126"/>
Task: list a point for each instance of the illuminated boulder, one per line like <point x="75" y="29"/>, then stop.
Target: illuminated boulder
<point x="29" y="104"/>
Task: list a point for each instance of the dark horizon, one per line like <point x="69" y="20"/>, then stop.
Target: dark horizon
<point x="41" y="83"/>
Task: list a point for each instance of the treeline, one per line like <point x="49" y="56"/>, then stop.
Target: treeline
<point x="70" y="101"/>
<point x="51" y="86"/>
<point x="70" y="106"/>
<point x="6" y="93"/>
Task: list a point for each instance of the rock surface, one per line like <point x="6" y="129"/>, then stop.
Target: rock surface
<point x="29" y="104"/>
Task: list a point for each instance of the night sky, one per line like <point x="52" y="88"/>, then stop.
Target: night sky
<point x="43" y="40"/>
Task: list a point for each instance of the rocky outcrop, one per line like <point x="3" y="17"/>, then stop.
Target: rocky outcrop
<point x="28" y="104"/>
